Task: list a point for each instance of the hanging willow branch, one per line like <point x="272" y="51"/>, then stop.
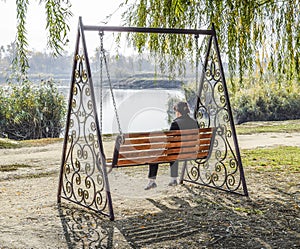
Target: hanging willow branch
<point x="20" y="60"/>
<point x="57" y="14"/>
<point x="257" y="36"/>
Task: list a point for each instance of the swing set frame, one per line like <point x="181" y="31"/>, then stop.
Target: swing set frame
<point x="83" y="175"/>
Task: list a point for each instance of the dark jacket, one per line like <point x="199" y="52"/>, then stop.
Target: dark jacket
<point x="183" y="123"/>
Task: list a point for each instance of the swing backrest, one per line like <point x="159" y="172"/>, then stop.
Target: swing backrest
<point x="133" y="149"/>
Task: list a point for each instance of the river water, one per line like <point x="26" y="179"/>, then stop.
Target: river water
<point x="138" y="109"/>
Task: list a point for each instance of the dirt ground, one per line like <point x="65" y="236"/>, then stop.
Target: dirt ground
<point x="184" y="216"/>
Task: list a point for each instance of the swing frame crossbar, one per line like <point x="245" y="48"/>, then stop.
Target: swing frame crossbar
<point x="77" y="175"/>
<point x="150" y="30"/>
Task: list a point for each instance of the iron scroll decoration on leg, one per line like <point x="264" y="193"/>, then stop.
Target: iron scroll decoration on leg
<point x="83" y="175"/>
<point x="223" y="169"/>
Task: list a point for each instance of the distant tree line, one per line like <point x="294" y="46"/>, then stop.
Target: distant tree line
<point x="42" y="65"/>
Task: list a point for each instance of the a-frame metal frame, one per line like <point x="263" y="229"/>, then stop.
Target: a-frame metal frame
<point x="83" y="175"/>
<point x="223" y="169"/>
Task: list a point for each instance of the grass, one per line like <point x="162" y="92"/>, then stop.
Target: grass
<point x="40" y="142"/>
<point x="12" y="144"/>
<point x="279" y="159"/>
<point x="16" y="166"/>
<point x="248" y="210"/>
<point x="8" y="144"/>
<point x="13" y="167"/>
<point x="32" y="176"/>
<point x="269" y="126"/>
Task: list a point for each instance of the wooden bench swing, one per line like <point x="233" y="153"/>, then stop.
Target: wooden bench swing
<point x="84" y="168"/>
<point x="143" y="148"/>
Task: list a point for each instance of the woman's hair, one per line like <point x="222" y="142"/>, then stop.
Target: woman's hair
<point x="182" y="107"/>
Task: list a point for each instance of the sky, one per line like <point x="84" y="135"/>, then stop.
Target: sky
<point x="93" y="12"/>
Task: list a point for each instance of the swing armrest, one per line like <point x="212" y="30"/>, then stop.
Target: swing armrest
<point x="109" y="166"/>
<point x="112" y="162"/>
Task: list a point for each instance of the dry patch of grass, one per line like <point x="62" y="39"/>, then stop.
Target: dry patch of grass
<point x="286" y="126"/>
<point x="12" y="144"/>
<point x="8" y="144"/>
<point x="40" y="142"/>
<point x="13" y="167"/>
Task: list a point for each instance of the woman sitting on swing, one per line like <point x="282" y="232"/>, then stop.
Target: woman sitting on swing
<point x="183" y="121"/>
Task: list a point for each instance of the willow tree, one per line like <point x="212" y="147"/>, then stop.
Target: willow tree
<point x="260" y="35"/>
<point x="57" y="13"/>
<point x="256" y="36"/>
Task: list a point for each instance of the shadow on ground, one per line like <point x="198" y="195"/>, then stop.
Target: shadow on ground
<point x="211" y="220"/>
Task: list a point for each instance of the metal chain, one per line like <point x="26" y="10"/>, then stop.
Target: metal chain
<point x="110" y="85"/>
<point x="197" y="60"/>
<point x="101" y="78"/>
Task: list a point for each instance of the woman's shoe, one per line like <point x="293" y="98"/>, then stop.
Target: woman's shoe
<point x="173" y="183"/>
<point x="150" y="185"/>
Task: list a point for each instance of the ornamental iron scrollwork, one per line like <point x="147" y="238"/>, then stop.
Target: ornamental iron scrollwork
<point x="82" y="174"/>
<point x="223" y="169"/>
<point x="83" y="177"/>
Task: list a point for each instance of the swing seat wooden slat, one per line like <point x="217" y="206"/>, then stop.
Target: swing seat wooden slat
<point x="140" y="148"/>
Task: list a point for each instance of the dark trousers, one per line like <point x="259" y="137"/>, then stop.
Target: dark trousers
<point x="153" y="168"/>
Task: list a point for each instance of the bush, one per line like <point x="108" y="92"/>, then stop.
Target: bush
<point x="29" y="111"/>
<point x="266" y="104"/>
<point x="255" y="100"/>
